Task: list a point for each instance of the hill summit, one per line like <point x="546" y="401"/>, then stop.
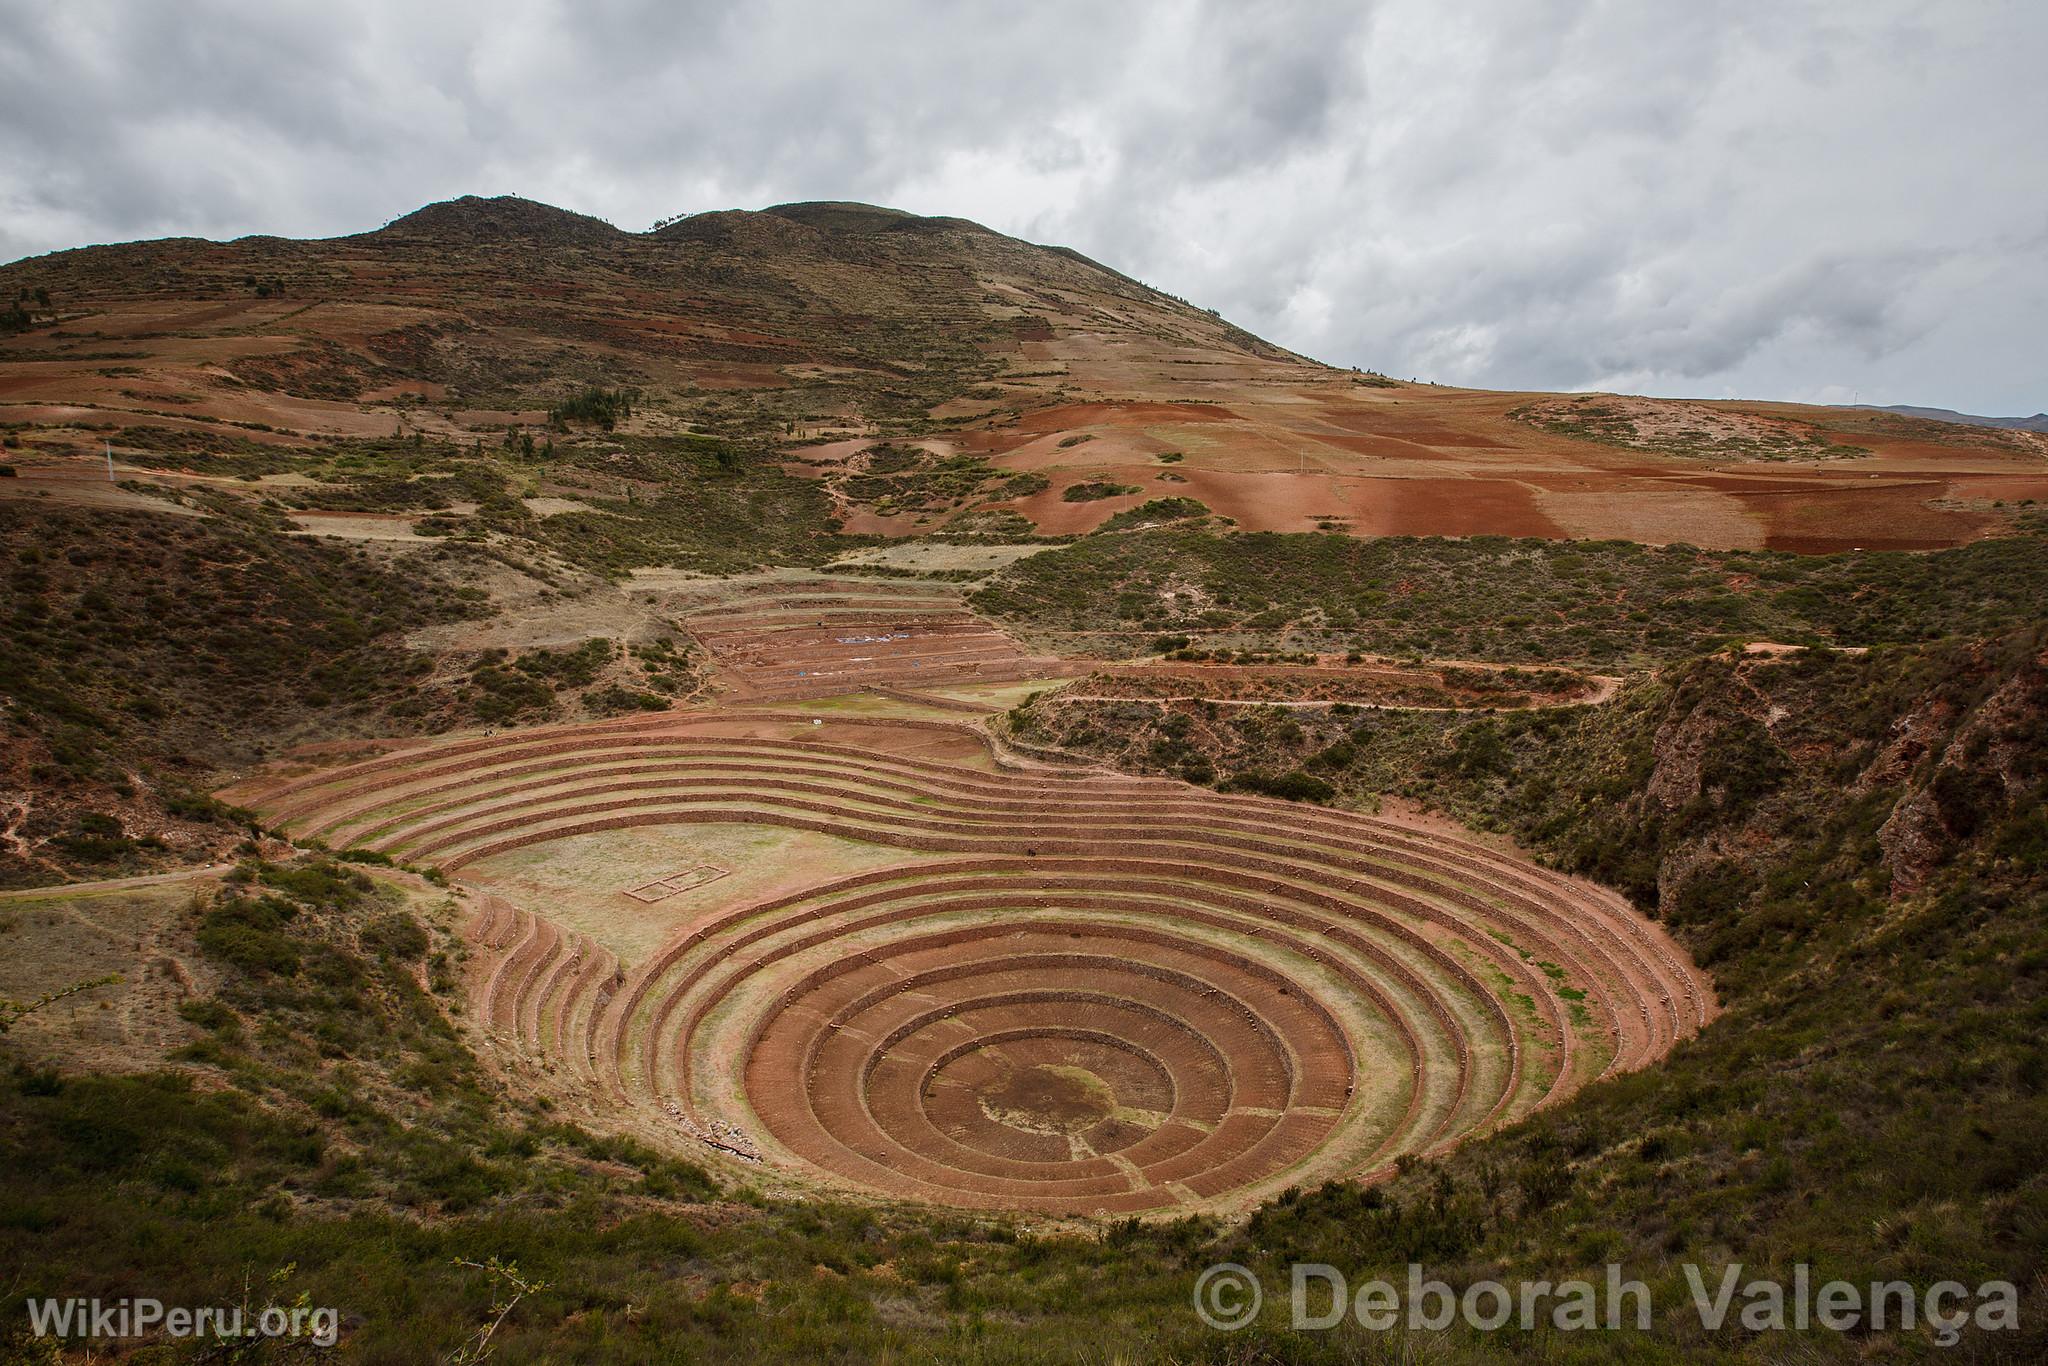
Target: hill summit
<point x="471" y="218"/>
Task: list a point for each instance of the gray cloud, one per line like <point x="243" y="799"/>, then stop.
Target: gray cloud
<point x="1789" y="200"/>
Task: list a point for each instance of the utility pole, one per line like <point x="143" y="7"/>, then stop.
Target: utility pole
<point x="110" y="461"/>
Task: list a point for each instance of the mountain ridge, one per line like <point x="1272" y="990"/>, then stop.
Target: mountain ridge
<point x="2037" y="423"/>
<point x="824" y="328"/>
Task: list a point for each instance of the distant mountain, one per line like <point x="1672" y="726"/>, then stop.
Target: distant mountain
<point x="2037" y="423"/>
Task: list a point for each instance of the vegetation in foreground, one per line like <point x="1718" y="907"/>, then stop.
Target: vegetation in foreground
<point x="1874" y="908"/>
<point x="1854" y="845"/>
<point x="327" y="1117"/>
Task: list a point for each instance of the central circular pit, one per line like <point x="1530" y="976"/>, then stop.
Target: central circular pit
<point x="1061" y="1098"/>
<point x="1038" y="1057"/>
<point x="1073" y="993"/>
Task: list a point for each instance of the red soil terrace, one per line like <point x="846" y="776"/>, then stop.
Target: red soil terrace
<point x="781" y="641"/>
<point x="1076" y="993"/>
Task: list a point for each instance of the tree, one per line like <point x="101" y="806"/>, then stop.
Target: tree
<point x="510" y="1288"/>
<point x="11" y="1011"/>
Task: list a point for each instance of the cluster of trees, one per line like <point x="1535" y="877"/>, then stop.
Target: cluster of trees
<point x="522" y="445"/>
<point x="604" y="408"/>
<point x="20" y="315"/>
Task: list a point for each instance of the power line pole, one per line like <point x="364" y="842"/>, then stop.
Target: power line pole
<point x="110" y="462"/>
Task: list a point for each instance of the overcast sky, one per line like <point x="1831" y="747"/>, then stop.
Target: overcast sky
<point x="1811" y="201"/>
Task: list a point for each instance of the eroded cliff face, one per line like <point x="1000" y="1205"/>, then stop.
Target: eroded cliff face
<point x="1681" y="748"/>
<point x="1752" y="752"/>
<point x="1977" y="764"/>
<point x="1717" y="784"/>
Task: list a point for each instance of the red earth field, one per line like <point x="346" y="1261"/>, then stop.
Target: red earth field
<point x="1301" y="450"/>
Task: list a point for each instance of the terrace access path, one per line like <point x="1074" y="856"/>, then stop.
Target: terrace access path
<point x="1334" y="680"/>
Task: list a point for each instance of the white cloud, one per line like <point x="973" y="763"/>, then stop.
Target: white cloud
<point x="1774" y="199"/>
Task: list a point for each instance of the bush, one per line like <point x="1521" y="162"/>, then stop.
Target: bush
<point x="1155" y="512"/>
<point x="1293" y="786"/>
<point x="209" y="1014"/>
<point x="395" y="934"/>
<point x="249" y="934"/>
<point x="1097" y="488"/>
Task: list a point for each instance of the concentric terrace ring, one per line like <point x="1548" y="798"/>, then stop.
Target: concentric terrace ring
<point x="1080" y="994"/>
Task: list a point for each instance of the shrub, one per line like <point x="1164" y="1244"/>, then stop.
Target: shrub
<point x="248" y="933"/>
<point x="396" y="934"/>
<point x="1293" y="786"/>
<point x="1093" y="489"/>
<point x="210" y="1014"/>
<point x="1155" y="512"/>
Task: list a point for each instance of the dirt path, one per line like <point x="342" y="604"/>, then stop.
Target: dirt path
<point x="1604" y="692"/>
<point x="83" y="889"/>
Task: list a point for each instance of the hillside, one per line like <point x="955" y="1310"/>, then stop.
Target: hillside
<point x="475" y="311"/>
<point x="1612" y="604"/>
<point x="2037" y="423"/>
<point x="827" y="784"/>
<point x="1075" y="392"/>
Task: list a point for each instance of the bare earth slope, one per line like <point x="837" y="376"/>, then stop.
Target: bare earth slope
<point x="831" y="327"/>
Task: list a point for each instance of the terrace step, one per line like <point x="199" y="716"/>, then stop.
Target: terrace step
<point x="1087" y="993"/>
